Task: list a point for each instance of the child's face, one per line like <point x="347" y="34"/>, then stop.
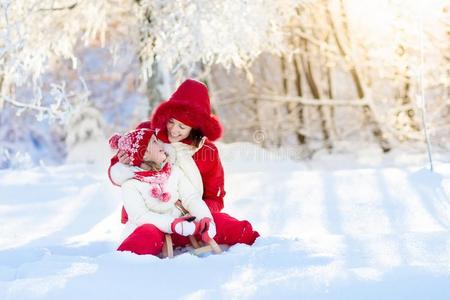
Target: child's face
<point x="155" y="151"/>
<point x="177" y="131"/>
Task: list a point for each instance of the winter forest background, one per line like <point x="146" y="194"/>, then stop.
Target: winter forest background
<point x="332" y="112"/>
<point x="300" y="77"/>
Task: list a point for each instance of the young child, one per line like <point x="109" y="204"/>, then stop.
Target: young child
<point x="154" y="187"/>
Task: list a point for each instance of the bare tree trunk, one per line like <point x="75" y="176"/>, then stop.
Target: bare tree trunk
<point x="306" y="66"/>
<point x="330" y="108"/>
<point x="2" y="101"/>
<point x="368" y="111"/>
<point x="406" y="100"/>
<point x="298" y="85"/>
<point x="284" y="73"/>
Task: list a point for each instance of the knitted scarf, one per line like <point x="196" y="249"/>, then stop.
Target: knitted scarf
<point x="157" y="181"/>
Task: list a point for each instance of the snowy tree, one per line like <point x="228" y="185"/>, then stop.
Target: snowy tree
<point x="38" y="34"/>
<point x="350" y="73"/>
<point x="43" y="72"/>
<point x="41" y="66"/>
<point x="230" y="33"/>
<point x="309" y="73"/>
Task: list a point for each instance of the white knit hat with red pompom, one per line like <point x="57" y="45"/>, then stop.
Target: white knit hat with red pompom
<point x="134" y="143"/>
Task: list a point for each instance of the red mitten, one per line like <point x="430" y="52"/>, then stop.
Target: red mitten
<point x="206" y="228"/>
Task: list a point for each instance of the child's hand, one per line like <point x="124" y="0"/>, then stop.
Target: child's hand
<point x="123" y="157"/>
<point x="184" y="226"/>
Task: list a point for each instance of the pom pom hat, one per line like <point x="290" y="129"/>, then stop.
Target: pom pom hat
<point x="134" y="143"/>
<point x="190" y="105"/>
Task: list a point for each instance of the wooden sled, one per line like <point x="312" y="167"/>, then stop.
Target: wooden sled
<point x="199" y="247"/>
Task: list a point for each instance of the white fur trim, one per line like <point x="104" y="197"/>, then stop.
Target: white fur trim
<point x="184" y="160"/>
<point x="120" y="172"/>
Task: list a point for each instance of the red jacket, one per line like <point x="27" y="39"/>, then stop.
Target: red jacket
<point x="208" y="162"/>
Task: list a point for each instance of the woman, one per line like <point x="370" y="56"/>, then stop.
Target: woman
<point x="153" y="195"/>
<point x="186" y="123"/>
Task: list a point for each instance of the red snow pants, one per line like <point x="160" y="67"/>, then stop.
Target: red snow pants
<point x="147" y="239"/>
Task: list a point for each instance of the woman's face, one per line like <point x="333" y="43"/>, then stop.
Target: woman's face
<point x="177" y="131"/>
<point x="155" y="151"/>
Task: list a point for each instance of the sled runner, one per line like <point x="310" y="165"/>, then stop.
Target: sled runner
<point x="199" y="247"/>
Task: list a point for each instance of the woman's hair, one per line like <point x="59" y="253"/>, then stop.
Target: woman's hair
<point x="196" y="136"/>
<point x="152" y="165"/>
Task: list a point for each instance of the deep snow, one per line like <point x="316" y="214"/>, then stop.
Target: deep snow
<point x="352" y="231"/>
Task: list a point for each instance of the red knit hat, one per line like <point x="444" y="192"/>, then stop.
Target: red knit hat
<point x="134" y="143"/>
<point x="190" y="105"/>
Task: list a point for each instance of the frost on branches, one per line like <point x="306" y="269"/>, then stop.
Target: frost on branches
<point x="41" y="41"/>
<point x="229" y="33"/>
<point x="349" y="78"/>
<point x="43" y="76"/>
<point x="323" y="74"/>
<point x="36" y="36"/>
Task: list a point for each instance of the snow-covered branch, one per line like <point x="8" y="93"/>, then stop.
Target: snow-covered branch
<point x="37" y="36"/>
<point x="230" y="33"/>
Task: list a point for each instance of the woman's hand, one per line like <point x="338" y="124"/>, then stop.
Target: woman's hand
<point x="123" y="157"/>
<point x="206" y="228"/>
<point x="211" y="231"/>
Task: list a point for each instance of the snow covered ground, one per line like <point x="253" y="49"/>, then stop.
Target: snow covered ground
<point x="338" y="227"/>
